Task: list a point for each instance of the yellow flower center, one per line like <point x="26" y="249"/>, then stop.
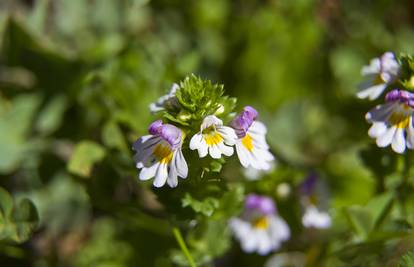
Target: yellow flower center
<point x="213" y="138"/>
<point x="248" y="142"/>
<point x="378" y="79"/>
<point x="400" y="120"/>
<point x="163" y="153"/>
<point x="261" y="223"/>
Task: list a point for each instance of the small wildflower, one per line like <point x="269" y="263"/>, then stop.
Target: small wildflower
<point x="316" y="218"/>
<point x="213" y="138"/>
<point x="251" y="146"/>
<point x="159" y="155"/>
<point x="313" y="217"/>
<point x="166" y="101"/>
<point x="380" y="73"/>
<point x="392" y="123"/>
<point x="259" y="228"/>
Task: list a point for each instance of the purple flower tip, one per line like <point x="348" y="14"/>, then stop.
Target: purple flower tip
<point x="250" y="112"/>
<point x="168" y="132"/>
<point x="172" y="135"/>
<point x="155" y="127"/>
<point x="308" y="185"/>
<point x="262" y="204"/>
<point x="402" y="96"/>
<point x="242" y="122"/>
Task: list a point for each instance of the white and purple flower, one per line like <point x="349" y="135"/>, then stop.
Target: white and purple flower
<point x="159" y="155"/>
<point x="380" y="73"/>
<point x="166" y="101"/>
<point x="392" y="123"/>
<point x="251" y="146"/>
<point x="313" y="217"/>
<point x="259" y="229"/>
<point x="213" y="138"/>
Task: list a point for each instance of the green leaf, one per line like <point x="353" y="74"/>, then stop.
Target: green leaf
<point x="206" y="207"/>
<point x="360" y="219"/>
<point x="50" y="118"/>
<point x="15" y="122"/>
<point x="85" y="154"/>
<point x="25" y="217"/>
<point x="407" y="260"/>
<point x="17" y="222"/>
<point x="379" y="207"/>
<point x="6" y="203"/>
<point x="112" y="136"/>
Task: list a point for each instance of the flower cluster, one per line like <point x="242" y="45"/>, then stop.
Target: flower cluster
<point x="313" y="216"/>
<point x="259" y="229"/>
<point x="159" y="155"/>
<point x="392" y="122"/>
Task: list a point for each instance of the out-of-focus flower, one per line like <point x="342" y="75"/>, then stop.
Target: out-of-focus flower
<point x="316" y="218"/>
<point x="313" y="217"/>
<point x="166" y="101"/>
<point x="251" y="146"/>
<point x="392" y="123"/>
<point x="159" y="155"/>
<point x="380" y="73"/>
<point x="259" y="229"/>
<point x="213" y="138"/>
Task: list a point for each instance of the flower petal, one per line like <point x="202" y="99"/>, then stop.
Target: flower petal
<point x="372" y="92"/>
<point x="410" y="134"/>
<point x="226" y="150"/>
<point x="380" y="112"/>
<point x="242" y="154"/>
<point x="398" y="141"/>
<point x="377" y="129"/>
<point x="172" y="180"/>
<point x="161" y="175"/>
<point x="228" y="134"/>
<point x="195" y="141"/>
<point x="214" y="151"/>
<point x="149" y="172"/>
<point x="181" y="164"/>
<point x="386" y="139"/>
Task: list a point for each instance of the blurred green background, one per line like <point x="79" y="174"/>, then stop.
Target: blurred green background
<point x="76" y="79"/>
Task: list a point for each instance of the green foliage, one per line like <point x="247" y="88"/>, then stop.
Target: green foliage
<point x="76" y="80"/>
<point x="85" y="155"/>
<point x="205" y="207"/>
<point x="14" y="138"/>
<point x="407" y="260"/>
<point x="104" y="248"/>
<point x="17" y="220"/>
<point x="199" y="98"/>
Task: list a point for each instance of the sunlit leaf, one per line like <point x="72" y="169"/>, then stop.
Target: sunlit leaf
<point x="84" y="156"/>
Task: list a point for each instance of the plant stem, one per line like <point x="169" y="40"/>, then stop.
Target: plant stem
<point x="183" y="246"/>
<point x="405" y="175"/>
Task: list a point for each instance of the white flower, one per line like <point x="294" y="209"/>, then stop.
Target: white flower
<point x="392" y="123"/>
<point x="168" y="100"/>
<point x="315" y="218"/>
<point x="259" y="229"/>
<point x="380" y="73"/>
<point x="213" y="138"/>
<point x="251" y="146"/>
<point x="159" y="155"/>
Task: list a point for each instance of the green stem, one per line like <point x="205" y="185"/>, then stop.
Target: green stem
<point x="405" y="175"/>
<point x="183" y="246"/>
